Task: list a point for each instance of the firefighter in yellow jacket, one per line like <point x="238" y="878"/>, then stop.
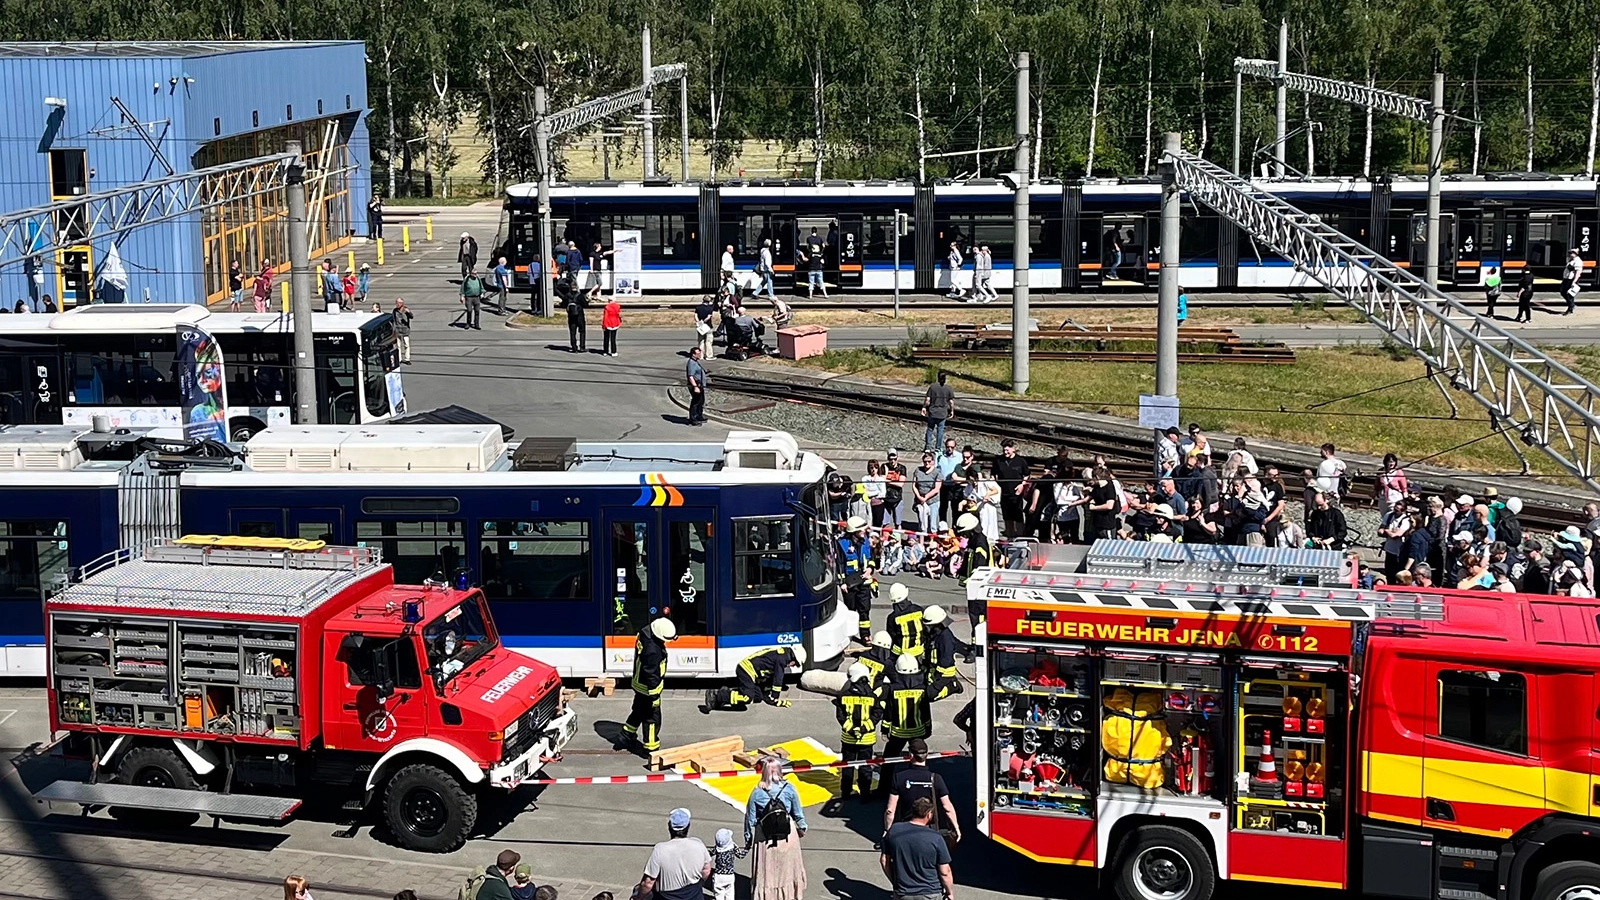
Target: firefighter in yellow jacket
<point x="649" y="677"/>
<point x="879" y="658"/>
<point x="906" y="714"/>
<point x="943" y="680"/>
<point x="858" y="711"/>
<point x="905" y="623"/>
<point x="760" y="677"/>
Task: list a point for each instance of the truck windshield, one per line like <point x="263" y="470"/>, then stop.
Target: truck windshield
<point x="458" y="638"/>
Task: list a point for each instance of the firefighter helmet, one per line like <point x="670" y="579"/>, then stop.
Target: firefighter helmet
<point x="799" y="654"/>
<point x="906" y="664"/>
<point x="934" y="615"/>
<point x="664" y="629"/>
<point x="858" y="672"/>
<point x="898" y="593"/>
<point x="882" y="640"/>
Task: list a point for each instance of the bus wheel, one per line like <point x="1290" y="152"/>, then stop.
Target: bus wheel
<point x="155" y="767"/>
<point x="241" y="430"/>
<point x="1575" y="880"/>
<point x="1160" y="862"/>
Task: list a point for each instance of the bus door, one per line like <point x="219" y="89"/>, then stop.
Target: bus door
<point x="1469" y="262"/>
<point x="656" y="562"/>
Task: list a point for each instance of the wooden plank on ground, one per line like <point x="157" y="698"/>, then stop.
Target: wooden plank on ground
<point x="667" y="757"/>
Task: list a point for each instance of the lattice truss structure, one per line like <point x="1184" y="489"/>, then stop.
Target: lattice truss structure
<point x="604" y="107"/>
<point x="44" y="229"/>
<point x="1529" y="396"/>
<point x="1344" y="91"/>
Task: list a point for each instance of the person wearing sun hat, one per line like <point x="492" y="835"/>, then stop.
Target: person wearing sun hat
<point x="678" y="866"/>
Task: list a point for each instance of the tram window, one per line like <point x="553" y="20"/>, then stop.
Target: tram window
<point x="1485" y="709"/>
<point x="539" y="560"/>
<point x="417" y="550"/>
<point x="763" y="557"/>
<point x="688" y="558"/>
<point x="258" y="529"/>
<point x="816" y="545"/>
<point x="1197" y="237"/>
<point x="377" y="506"/>
<point x="33" y="554"/>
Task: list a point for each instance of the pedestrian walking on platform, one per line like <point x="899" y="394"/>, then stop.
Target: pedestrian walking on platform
<point x="577" y="325"/>
<point x="1571" y="276"/>
<point x="363" y="283"/>
<point x="467" y="253"/>
<point x="262" y="292"/>
<point x="375" y="217"/>
<point x="696" y="373"/>
<point x="1525" y="297"/>
<point x="1491" y="290"/>
<point x="610" y="324"/>
<point x="472" y="299"/>
<point x="502" y="285"/>
<point x="402" y="330"/>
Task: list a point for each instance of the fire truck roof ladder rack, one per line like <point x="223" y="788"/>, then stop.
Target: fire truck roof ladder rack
<point x="1155" y="594"/>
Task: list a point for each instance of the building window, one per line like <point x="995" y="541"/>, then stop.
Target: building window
<point x="216" y="126"/>
<point x="417" y="550"/>
<point x="319" y="106"/>
<point x="255" y="118"/>
<point x="763" y="557"/>
<point x="1485" y="709"/>
<point x="69" y="173"/>
<point x="539" y="560"/>
<point x="288" y="112"/>
<point x="346" y="101"/>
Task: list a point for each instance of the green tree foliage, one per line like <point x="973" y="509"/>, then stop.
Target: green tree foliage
<point x="882" y="88"/>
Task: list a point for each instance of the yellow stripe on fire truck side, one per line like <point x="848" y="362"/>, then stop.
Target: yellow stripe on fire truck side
<point x="1064" y="860"/>
<point x="1489" y="784"/>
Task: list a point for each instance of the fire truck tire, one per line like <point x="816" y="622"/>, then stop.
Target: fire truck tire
<point x="427" y="809"/>
<point x="155" y="767"/>
<point x="1160" y="862"/>
<point x="1574" y="880"/>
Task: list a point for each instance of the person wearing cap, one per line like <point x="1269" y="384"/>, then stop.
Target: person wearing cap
<point x="1167" y="451"/>
<point x="943" y="646"/>
<point x="522" y="886"/>
<point x="1460" y="546"/>
<point x="649" y="678"/>
<point x="496" y="884"/>
<point x="724" y="856"/>
<point x="917" y="781"/>
<point x="1508" y="527"/>
<point x="894" y="476"/>
<point x="760" y="677"/>
<point x="858" y="709"/>
<point x="1532" y="575"/>
<point x="855" y="550"/>
<point x="677" y="867"/>
<point x="467" y="255"/>
<point x="907" y="715"/>
<point x="1163" y="528"/>
<point x="1461" y="513"/>
<point x="906" y="626"/>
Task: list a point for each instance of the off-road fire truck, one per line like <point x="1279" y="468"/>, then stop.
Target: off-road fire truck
<point x="1439" y="745"/>
<point x="232" y="676"/>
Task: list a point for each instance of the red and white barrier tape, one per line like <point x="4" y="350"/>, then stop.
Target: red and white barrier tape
<point x="657" y="777"/>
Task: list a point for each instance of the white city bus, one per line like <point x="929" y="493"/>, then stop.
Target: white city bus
<point x="118" y="361"/>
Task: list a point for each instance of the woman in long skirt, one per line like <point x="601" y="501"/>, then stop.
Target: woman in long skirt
<point x="777" y="871"/>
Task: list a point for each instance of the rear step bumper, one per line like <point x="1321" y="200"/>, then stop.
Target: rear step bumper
<point x="234" y="806"/>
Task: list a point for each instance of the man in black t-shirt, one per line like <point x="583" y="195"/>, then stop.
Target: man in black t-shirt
<point x="916" y="781"/>
<point x="1011" y="471"/>
<point x="1272" y="489"/>
<point x="916" y="858"/>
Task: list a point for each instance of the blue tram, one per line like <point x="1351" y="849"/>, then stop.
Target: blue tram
<point x="576" y="544"/>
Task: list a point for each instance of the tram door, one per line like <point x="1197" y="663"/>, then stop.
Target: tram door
<point x="1123" y="249"/>
<point x="784" y="269"/>
<point x="659" y="561"/>
<point x="1473" y="239"/>
<point x="1419" y="243"/>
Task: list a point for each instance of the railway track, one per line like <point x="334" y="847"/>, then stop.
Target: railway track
<point x="1127" y="448"/>
<point x="1275" y="355"/>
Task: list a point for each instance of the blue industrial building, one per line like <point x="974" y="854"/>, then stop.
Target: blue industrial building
<point x="79" y="118"/>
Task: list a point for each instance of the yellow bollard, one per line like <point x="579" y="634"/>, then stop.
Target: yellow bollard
<point x="285" y="285"/>
<point x="429" y="222"/>
<point x="352" y="255"/>
<point x="405" y="237"/>
<point x="380" y="251"/>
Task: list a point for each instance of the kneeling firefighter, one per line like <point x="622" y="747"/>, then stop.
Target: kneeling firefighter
<point x="942" y="649"/>
<point x="649" y="677"/>
<point x="879" y="658"/>
<point x="905" y="712"/>
<point x="760" y="677"/>
<point x="905" y="623"/>
<point x="857" y="709"/>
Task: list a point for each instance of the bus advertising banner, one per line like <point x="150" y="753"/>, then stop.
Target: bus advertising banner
<point x="202" y="388"/>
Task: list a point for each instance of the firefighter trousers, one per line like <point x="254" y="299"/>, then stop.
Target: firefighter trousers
<point x="644" y="721"/>
<point x="747" y="691"/>
<point x="856" y="775"/>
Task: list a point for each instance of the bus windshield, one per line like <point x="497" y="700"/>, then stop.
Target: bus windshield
<point x="378" y="358"/>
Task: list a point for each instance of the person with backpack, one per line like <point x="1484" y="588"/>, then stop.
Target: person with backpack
<point x="472" y="299"/>
<point x="494" y="882"/>
<point x="760" y="677"/>
<point x="774" y="822"/>
<point x="576" y="303"/>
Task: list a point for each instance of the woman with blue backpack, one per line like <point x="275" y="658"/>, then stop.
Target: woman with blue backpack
<point x="774" y="822"/>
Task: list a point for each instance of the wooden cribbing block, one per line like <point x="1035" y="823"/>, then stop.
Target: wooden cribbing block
<point x="697" y="753"/>
<point x="594" y="687"/>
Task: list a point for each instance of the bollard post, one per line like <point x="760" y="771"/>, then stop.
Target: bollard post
<point x="352" y="257"/>
<point x="285" y="285"/>
<point x="429" y="222"/>
<point x="405" y="237"/>
<point x="380" y="251"/>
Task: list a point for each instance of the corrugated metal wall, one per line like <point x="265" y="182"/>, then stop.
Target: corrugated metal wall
<point x="185" y="102"/>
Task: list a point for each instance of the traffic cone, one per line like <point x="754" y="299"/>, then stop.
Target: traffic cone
<point x="1266" y="783"/>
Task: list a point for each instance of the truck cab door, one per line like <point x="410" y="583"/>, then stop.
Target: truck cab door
<point x="355" y="716"/>
<point x="1481" y="772"/>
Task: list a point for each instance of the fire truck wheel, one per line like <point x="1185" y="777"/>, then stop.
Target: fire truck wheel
<point x="155" y="767"/>
<point x="1575" y="880"/>
<point x="1160" y="862"/>
<point x="428" y="809"/>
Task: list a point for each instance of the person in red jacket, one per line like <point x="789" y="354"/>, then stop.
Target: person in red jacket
<point x="610" y="321"/>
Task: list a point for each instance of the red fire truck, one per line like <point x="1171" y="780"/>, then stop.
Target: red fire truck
<point x="1431" y="746"/>
<point x="231" y="676"/>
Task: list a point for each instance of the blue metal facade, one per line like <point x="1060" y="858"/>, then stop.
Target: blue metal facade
<point x="186" y="99"/>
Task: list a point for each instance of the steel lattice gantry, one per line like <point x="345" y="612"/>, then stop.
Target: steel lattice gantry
<point x="1528" y="395"/>
<point x="45" y="229"/>
<point x="604" y="107"/>
<point x="1343" y="91"/>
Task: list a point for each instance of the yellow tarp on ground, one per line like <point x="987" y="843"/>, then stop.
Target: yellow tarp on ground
<point x="814" y="787"/>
